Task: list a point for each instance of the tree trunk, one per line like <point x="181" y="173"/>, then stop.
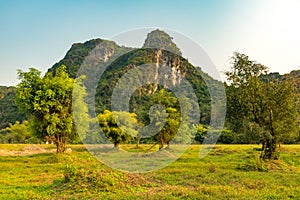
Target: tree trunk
<point x="264" y="144"/>
<point x="162" y="143"/>
<point x="116" y="145"/>
<point x="270" y="151"/>
<point x="60" y="144"/>
<point x="138" y="139"/>
<point x="168" y="145"/>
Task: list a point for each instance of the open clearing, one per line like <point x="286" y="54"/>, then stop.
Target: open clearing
<point x="228" y="172"/>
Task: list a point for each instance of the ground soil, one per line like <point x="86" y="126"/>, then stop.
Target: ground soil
<point x="26" y="150"/>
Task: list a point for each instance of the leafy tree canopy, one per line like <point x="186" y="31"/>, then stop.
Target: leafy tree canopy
<point x="266" y="108"/>
<point x="48" y="103"/>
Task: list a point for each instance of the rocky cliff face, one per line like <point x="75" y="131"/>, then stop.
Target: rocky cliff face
<point x="164" y="45"/>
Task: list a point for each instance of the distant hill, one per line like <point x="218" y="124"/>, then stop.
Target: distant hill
<point x="293" y="75"/>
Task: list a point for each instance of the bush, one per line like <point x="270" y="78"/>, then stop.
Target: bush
<point x="227" y="137"/>
<point x="70" y="173"/>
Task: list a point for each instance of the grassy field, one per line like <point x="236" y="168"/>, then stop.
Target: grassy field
<point x="228" y="172"/>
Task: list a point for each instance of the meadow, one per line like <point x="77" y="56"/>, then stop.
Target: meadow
<point x="227" y="172"/>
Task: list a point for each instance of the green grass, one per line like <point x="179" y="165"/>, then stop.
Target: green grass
<point x="228" y="172"/>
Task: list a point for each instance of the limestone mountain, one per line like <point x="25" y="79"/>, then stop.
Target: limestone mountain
<point x="160" y="51"/>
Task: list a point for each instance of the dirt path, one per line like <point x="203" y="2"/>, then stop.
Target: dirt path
<point x="26" y="150"/>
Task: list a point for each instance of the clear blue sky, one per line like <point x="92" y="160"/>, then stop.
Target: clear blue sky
<point x="38" y="33"/>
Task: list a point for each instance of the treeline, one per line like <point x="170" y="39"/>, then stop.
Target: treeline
<point x="236" y="129"/>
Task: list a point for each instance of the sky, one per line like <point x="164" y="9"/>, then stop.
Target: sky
<point x="38" y="33"/>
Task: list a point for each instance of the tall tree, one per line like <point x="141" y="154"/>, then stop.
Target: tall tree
<point x="48" y="103"/>
<point x="264" y="108"/>
<point x="172" y="116"/>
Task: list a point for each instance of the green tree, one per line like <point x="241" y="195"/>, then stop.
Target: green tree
<point x="80" y="111"/>
<point x="171" y="114"/>
<point x="201" y="133"/>
<point x="121" y="132"/>
<point x="170" y="128"/>
<point x="266" y="108"/>
<point x="48" y="103"/>
<point x="16" y="133"/>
